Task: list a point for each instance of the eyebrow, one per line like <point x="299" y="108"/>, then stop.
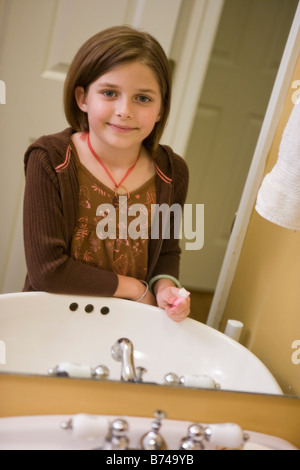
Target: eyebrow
<point x="140" y="90"/>
<point x="147" y="90"/>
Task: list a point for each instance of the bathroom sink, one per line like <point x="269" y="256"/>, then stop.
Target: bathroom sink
<point x="45" y="433"/>
<point x="39" y="331"/>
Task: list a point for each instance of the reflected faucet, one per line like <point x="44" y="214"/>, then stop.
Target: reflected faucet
<point x="122" y="351"/>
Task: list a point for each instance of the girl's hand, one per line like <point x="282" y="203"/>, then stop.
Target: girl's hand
<point x="165" y="297"/>
<point x="149" y="299"/>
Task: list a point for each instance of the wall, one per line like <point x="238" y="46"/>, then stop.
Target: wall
<point x="265" y="293"/>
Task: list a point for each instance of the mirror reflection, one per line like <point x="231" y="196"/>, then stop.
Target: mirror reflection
<point x="233" y="97"/>
<point x="236" y="91"/>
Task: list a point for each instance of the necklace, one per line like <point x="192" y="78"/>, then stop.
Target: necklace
<point x="117" y="185"/>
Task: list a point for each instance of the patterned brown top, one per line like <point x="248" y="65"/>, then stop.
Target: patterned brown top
<point x="51" y="213"/>
<point x="103" y="235"/>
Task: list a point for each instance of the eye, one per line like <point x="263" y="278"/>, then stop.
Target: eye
<point x="143" y="99"/>
<point x="109" y="93"/>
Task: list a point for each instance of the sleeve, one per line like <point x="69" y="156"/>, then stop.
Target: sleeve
<point x="50" y="267"/>
<point x="169" y="258"/>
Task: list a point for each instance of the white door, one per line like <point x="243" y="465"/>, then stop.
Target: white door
<point x="238" y="84"/>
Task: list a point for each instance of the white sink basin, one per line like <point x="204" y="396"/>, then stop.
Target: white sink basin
<point x="45" y="433"/>
<point x="39" y="331"/>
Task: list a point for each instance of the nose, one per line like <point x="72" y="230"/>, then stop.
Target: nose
<point x="124" y="110"/>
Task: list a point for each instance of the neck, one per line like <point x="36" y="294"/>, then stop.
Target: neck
<point x="114" y="157"/>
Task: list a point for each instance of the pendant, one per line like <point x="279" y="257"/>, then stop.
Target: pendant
<point x="115" y="201"/>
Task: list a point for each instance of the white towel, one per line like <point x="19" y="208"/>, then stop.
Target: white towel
<point x="278" y="198"/>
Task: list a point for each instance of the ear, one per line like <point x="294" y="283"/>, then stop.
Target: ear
<point x="160" y="113"/>
<point x="80" y="97"/>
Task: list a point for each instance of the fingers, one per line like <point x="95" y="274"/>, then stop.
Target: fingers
<point x="167" y="297"/>
<point x="179" y="313"/>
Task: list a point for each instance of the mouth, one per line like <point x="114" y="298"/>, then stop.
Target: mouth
<point x="122" y="129"/>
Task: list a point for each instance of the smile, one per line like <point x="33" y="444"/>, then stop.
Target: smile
<point x="122" y="129"/>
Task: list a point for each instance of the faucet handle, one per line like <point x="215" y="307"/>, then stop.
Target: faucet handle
<point x="225" y="435"/>
<point x="81" y="371"/>
<point x="153" y="440"/>
<point x="197" y="381"/>
<point x="140" y="371"/>
<point x="193" y="441"/>
<point x="159" y="415"/>
<point x="171" y="379"/>
<point x="100" y="372"/>
<point x="85" y="426"/>
<point x="117" y="438"/>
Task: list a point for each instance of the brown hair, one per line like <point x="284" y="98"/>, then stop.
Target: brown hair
<point x="106" y="50"/>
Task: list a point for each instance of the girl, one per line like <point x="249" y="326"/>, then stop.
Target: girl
<point x="116" y="99"/>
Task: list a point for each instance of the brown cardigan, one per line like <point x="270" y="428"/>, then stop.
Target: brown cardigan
<point x="50" y="215"/>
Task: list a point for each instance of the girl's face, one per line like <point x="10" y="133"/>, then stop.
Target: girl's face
<point x="122" y="105"/>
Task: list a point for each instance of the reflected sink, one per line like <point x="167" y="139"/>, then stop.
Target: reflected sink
<point x="45" y="433"/>
<point x="39" y="331"/>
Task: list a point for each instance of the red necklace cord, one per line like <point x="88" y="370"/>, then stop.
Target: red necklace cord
<point x="107" y="171"/>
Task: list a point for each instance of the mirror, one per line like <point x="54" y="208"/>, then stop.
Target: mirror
<point x="228" y="120"/>
<point x="237" y="16"/>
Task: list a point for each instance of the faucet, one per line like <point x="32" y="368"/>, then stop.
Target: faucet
<point x="122" y="351"/>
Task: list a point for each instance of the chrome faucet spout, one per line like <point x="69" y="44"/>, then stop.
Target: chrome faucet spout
<point x="122" y="351"/>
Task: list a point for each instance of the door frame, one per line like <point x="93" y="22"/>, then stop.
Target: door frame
<point x="190" y="71"/>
